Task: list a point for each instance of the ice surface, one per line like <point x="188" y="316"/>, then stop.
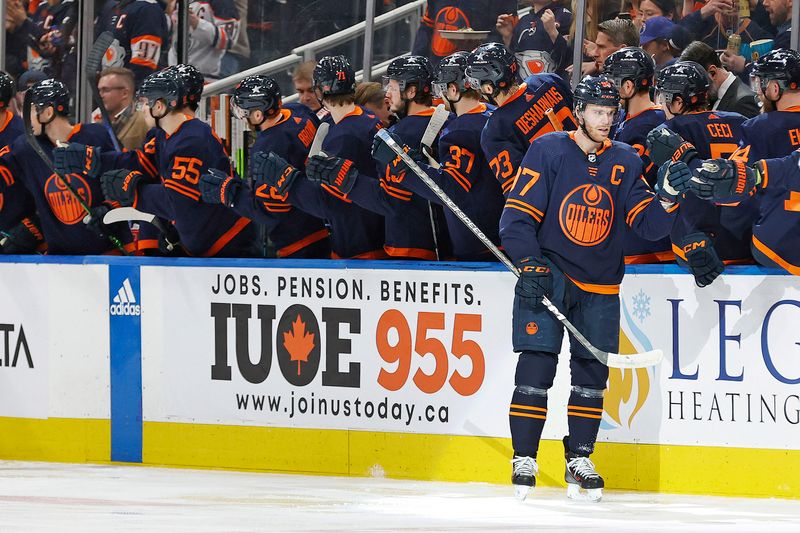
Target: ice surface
<point x="88" y="498"/>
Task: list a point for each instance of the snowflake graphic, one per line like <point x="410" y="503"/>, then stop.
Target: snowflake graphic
<point x="641" y="305"/>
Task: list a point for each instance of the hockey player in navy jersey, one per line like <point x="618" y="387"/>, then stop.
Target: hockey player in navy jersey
<point x="563" y="225"/>
<point x="706" y="236"/>
<point x="463" y="172"/>
<point x="775" y="78"/>
<point x="408" y="229"/>
<point x="65" y="224"/>
<point x="183" y="149"/>
<point x="142" y="33"/>
<point x="19" y="227"/>
<point x="633" y="72"/>
<point x="776" y="184"/>
<point x="356" y="233"/>
<point x="294" y="233"/>
<point x="520" y="116"/>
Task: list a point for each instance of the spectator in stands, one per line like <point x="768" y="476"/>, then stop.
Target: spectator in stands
<point x="457" y="15"/>
<point x="656" y="8"/>
<point x="655" y="40"/>
<point x="370" y="95"/>
<point x="712" y="22"/>
<point x="239" y="52"/>
<point x="213" y="30"/>
<point x="117" y="90"/>
<point x="780" y="15"/>
<point x="727" y="90"/>
<point x="303" y="80"/>
<point x="18" y="28"/>
<point x="538" y="39"/>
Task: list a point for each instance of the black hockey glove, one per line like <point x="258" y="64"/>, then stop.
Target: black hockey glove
<point x="273" y="170"/>
<point x="723" y="180"/>
<point x="217" y="187"/>
<point x="535" y="281"/>
<point x="673" y="179"/>
<point x="387" y="157"/>
<point x="334" y="171"/>
<point x="24" y="238"/>
<point x="94" y="221"/>
<point x="665" y="145"/>
<point x="701" y="258"/>
<point x="77" y="158"/>
<point x="169" y="241"/>
<point x="121" y="186"/>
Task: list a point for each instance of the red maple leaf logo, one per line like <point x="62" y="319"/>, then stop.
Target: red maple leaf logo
<point x="298" y="343"/>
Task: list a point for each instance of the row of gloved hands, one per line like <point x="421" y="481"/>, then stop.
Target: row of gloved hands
<point x="680" y="170"/>
<point x="268" y="168"/>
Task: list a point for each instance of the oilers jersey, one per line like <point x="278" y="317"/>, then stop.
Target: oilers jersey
<point x="777" y="230"/>
<point x="141" y="29"/>
<point x="466" y="178"/>
<point x="770" y="135"/>
<point x="293" y="232"/>
<point x="633" y="132"/>
<point x="408" y="230"/>
<point x="60" y="213"/>
<point x="522" y="118"/>
<point x="456" y="15"/>
<point x="180" y="159"/>
<point x="356" y="233"/>
<point x="714" y="134"/>
<point x="575" y="208"/>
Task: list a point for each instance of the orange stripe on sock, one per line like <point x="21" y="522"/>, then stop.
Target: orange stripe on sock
<point x="595" y="417"/>
<point x="526" y="415"/>
<point x="593" y="409"/>
<point x="528" y="408"/>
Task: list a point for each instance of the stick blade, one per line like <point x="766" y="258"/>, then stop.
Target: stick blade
<point x="319" y="138"/>
<point x="636" y="360"/>
<point x="95" y="56"/>
<point x="126" y="214"/>
<point x="439" y="117"/>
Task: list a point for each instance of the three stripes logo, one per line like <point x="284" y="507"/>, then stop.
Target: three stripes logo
<point x="124" y="303"/>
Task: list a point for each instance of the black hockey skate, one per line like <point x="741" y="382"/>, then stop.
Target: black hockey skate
<point x="523" y="475"/>
<point x="583" y="482"/>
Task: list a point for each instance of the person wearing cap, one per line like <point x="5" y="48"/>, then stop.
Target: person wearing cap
<point x="655" y="40"/>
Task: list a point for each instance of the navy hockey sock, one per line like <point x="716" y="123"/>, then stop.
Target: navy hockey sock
<point x="585" y="409"/>
<point x="527" y="416"/>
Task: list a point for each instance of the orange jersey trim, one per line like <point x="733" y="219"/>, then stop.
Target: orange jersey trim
<point x="424" y="113"/>
<point x="227" y="237"/>
<point x="516" y="95"/>
<point x="595" y="288"/>
<point x="146" y="164"/>
<point x="182" y="189"/>
<point x="638" y="208"/>
<point x="284" y="115"/>
<point x="459" y="178"/>
<point x="400" y="194"/>
<point x="645" y="259"/>
<point x="147" y="244"/>
<point x="415" y="253"/>
<point x="6" y="119"/>
<point x="376" y="254"/>
<point x="764" y="249"/>
<point x="480" y="108"/>
<point x="302" y="243"/>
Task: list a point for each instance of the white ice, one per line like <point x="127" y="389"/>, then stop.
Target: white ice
<point x="87" y="498"/>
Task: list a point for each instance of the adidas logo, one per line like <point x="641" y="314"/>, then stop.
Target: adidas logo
<point x="125" y="302"/>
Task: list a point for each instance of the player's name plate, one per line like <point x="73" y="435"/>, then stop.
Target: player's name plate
<point x="467" y="34"/>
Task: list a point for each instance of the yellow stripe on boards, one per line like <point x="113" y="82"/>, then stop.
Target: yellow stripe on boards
<point x="55" y="439"/>
<point x="642" y="467"/>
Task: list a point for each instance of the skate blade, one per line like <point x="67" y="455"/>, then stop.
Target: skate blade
<point x="574" y="492"/>
<point x="521" y="492"/>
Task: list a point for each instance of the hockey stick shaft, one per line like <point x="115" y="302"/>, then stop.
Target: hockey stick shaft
<point x="93" y="61"/>
<point x="554" y="120"/>
<point x="34" y="143"/>
<point x="620" y="361"/>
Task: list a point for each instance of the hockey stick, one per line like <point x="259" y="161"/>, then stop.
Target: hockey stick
<point x="319" y="138"/>
<point x="613" y="360"/>
<point x="129" y="214"/>
<point x="93" y="61"/>
<point x="435" y="124"/>
<point x="554" y="120"/>
<point x="34" y="142"/>
<point x="433" y="128"/>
